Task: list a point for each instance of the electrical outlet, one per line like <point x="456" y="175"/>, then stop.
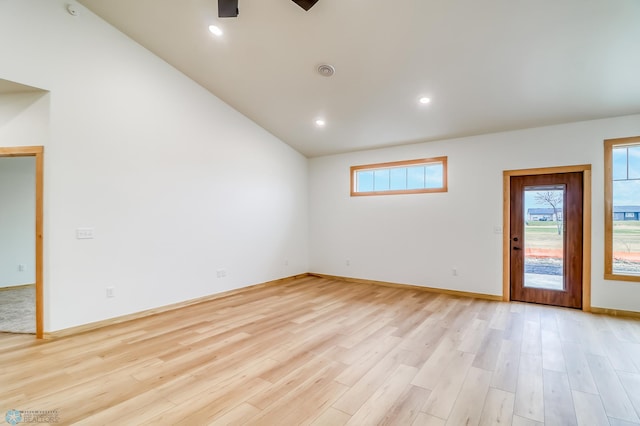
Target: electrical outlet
<point x="21" y="268"/>
<point x="454" y="272"/>
<point x="221" y="273"/>
<point x="286" y="262"/>
<point x="111" y="292"/>
<point x="347" y="262"/>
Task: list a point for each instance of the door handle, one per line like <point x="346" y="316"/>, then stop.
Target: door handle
<point x="517" y="248"/>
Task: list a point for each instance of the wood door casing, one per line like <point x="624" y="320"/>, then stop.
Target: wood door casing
<point x="38" y="153"/>
<point x="571" y="295"/>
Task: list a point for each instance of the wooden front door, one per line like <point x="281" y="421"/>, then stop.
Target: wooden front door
<point x="546" y="239"/>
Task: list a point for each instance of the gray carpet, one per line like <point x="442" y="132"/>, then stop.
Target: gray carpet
<point x="18" y="310"/>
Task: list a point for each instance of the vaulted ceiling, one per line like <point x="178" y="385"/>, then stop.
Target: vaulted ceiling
<point x="9" y="87"/>
<point x="487" y="66"/>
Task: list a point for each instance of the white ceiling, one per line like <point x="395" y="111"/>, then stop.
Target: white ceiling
<point x="488" y="66"/>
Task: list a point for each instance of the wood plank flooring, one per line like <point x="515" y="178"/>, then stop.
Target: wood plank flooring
<point x="320" y="352"/>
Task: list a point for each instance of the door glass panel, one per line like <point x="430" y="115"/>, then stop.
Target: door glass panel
<point x="544" y="237"/>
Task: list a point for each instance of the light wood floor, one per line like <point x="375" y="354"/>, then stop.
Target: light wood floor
<point x="322" y="352"/>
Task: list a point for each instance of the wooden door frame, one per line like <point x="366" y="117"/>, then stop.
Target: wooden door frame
<point x="38" y="153"/>
<point x="586" y="226"/>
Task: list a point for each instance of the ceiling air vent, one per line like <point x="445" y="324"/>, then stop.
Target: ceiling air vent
<point x="326" y="70"/>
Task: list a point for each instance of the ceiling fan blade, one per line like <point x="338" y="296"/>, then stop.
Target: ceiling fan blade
<point x="227" y="8"/>
<point x="305" y="4"/>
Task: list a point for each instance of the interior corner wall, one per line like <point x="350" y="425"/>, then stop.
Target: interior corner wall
<point x="17" y="221"/>
<point x="176" y="184"/>
<point x="419" y="239"/>
<point x="24" y="118"/>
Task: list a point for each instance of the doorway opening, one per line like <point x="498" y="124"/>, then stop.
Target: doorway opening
<point x="37" y="152"/>
<point x="547" y="236"/>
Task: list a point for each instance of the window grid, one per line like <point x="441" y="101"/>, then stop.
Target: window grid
<point x="617" y="171"/>
<point x="386" y="178"/>
<point x="626" y="151"/>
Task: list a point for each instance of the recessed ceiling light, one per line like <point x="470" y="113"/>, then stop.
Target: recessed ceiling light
<point x="424" y="100"/>
<point x="215" y="30"/>
<point x="320" y="122"/>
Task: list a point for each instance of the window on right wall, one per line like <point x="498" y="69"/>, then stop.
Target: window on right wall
<point x="622" y="209"/>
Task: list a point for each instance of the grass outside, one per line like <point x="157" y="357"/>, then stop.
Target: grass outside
<point x="626" y="236"/>
<point x="542" y="235"/>
<point x="626" y="247"/>
<point x="542" y="241"/>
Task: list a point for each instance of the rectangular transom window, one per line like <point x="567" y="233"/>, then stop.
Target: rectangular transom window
<point x="622" y="209"/>
<point x="400" y="177"/>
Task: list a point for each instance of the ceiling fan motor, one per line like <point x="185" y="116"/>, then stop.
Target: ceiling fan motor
<point x="305" y="4"/>
<point x="229" y="8"/>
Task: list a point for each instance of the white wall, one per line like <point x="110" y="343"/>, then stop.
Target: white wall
<point x="419" y="239"/>
<point x="17" y="221"/>
<point x="24" y="118"/>
<point x="178" y="185"/>
<point x="175" y="183"/>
